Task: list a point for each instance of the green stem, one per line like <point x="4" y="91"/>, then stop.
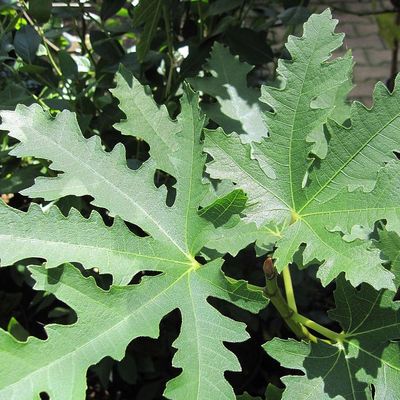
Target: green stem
<point x="170" y="51"/>
<point x="200" y="21"/>
<point x="39" y="30"/>
<point x="328" y="333"/>
<point x="273" y="292"/>
<point x="82" y="35"/>
<point x="17" y="77"/>
<point x="40" y="101"/>
<point x="51" y="59"/>
<point x="287" y="280"/>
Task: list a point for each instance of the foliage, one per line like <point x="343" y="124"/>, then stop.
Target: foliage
<point x="145" y="209"/>
<point x="311" y="200"/>
<point x="238" y="108"/>
<point x="65" y="56"/>
<point x="364" y="355"/>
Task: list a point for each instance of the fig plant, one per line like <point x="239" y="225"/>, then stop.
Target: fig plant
<point x="320" y="181"/>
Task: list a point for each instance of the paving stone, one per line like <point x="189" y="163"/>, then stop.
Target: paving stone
<point x="352" y="7"/>
<point x="364" y="73"/>
<point x="348" y="29"/>
<point x="365" y="42"/>
<point x="371" y="55"/>
<point x="364" y="91"/>
<point x="379" y="57"/>
<point x="348" y="18"/>
<point x="367" y="28"/>
<point x="360" y="57"/>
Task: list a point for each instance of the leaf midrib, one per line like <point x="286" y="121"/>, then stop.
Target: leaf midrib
<point x="251" y="177"/>
<point x="116" y="188"/>
<point x="293" y="129"/>
<point x="327" y="212"/>
<point x="105" y="249"/>
<point x="189" y="197"/>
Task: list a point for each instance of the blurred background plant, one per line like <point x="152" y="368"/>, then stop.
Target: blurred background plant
<point x="64" y="55"/>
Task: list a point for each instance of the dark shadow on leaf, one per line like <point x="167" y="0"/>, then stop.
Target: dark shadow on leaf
<point x="371" y="321"/>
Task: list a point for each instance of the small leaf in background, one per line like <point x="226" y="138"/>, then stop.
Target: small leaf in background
<point x="33" y="69"/>
<point x="147" y="13"/>
<point x="20" y="178"/>
<point x="364" y="355"/>
<point x="40" y="10"/>
<point x="13" y="94"/>
<point x="26" y="43"/>
<point x="110" y="8"/>
<point x="238" y="108"/>
<point x="17" y="330"/>
<point x="251" y="46"/>
<point x="82" y="62"/>
<point x="295" y="15"/>
<point x="221" y="6"/>
<point x="246" y="396"/>
<point x="68" y="66"/>
<point x="105" y="46"/>
<point x="273" y="392"/>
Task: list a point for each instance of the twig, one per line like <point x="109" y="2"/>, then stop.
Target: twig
<point x="170" y="52"/>
<point x="37" y="29"/>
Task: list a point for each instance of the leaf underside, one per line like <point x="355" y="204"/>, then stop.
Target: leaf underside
<point x="108" y="321"/>
<point x="310" y="200"/>
<point x="310" y="184"/>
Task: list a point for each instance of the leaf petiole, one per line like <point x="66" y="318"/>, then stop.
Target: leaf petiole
<point x="288" y="309"/>
<point x="287" y="280"/>
<point x="273" y="292"/>
<point x="328" y="333"/>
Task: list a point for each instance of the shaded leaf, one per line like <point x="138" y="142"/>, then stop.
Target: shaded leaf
<point x="222" y="209"/>
<point x="250" y="45"/>
<point x="147" y="13"/>
<point x="13" y="94"/>
<point x="365" y="354"/>
<point x="68" y="66"/>
<point x="110" y="8"/>
<point x="40" y="10"/>
<point x="26" y="43"/>
<point x="316" y="206"/>
<point x="238" y="108"/>
<point x="389" y="244"/>
<point x="109" y="320"/>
